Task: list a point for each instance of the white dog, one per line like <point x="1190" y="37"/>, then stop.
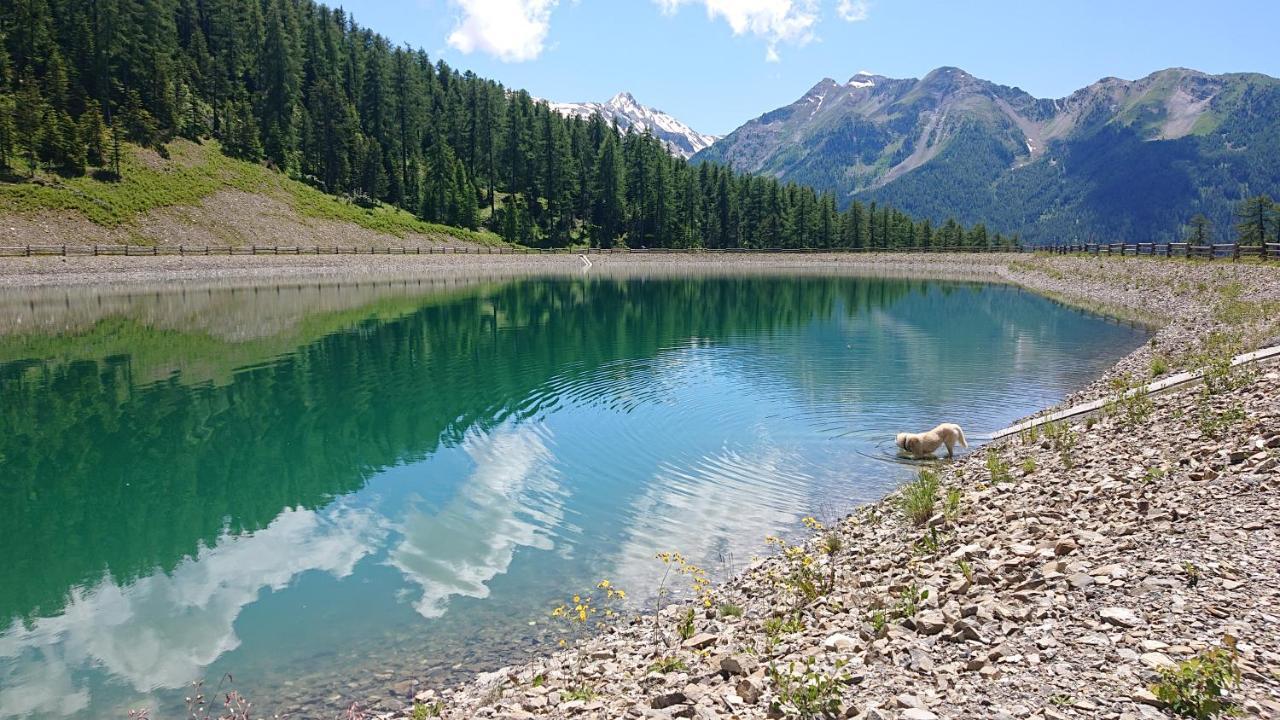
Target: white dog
<point x="925" y="444"/>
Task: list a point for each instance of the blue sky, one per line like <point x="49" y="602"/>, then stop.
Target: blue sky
<point x="718" y="63"/>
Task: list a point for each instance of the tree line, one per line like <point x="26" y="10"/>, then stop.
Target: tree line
<point x="304" y="89"/>
<point x="1257" y="222"/>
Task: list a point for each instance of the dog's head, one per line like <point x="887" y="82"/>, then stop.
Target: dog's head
<point x="904" y="441"/>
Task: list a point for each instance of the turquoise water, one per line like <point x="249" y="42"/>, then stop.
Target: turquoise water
<point x="323" y="491"/>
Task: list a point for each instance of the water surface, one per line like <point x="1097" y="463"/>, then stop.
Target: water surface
<point x="328" y="489"/>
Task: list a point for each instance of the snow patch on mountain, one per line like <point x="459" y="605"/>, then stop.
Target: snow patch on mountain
<point x="863" y="79"/>
<point x="679" y="138"/>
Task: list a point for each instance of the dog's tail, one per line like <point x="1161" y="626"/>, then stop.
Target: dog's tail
<point x="963" y="442"/>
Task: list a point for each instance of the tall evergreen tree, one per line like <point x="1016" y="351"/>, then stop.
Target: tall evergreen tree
<point x="1253" y="217"/>
<point x="1199" y="230"/>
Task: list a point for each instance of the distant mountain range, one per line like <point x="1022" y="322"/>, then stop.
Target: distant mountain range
<point x="1117" y="159"/>
<point x="679" y="138"/>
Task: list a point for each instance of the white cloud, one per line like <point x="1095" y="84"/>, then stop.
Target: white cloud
<point x="162" y="630"/>
<point x="777" y="21"/>
<point x="511" y="30"/>
<point x="854" y="10"/>
<point x="511" y="500"/>
<point x="707" y="508"/>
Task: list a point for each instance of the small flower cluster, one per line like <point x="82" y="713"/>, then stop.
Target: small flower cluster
<point x="677" y="563"/>
<point x="581" y="608"/>
<point x="804" y="576"/>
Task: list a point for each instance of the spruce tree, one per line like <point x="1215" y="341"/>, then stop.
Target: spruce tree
<point x="28" y="120"/>
<point x="1199" y="230"/>
<point x="1254" y="218"/>
<point x="92" y="131"/>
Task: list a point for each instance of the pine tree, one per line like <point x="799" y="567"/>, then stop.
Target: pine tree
<point x="1199" y="230"/>
<point x="7" y="109"/>
<point x="92" y="131"/>
<point x="1254" y="217"/>
<point x="28" y="120"/>
<point x="278" y="79"/>
<point x="608" y="215"/>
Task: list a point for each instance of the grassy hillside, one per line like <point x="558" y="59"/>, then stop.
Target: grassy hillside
<point x="192" y="174"/>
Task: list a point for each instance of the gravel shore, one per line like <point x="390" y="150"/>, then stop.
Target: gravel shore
<point x="172" y="269"/>
<point x="1053" y="577"/>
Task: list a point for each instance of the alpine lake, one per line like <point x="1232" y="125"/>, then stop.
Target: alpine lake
<point x="323" y="493"/>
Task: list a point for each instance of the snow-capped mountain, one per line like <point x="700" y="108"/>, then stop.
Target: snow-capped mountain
<point x="1118" y="158"/>
<point x="679" y="138"/>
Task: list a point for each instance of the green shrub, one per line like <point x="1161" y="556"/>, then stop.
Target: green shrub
<point x="686" y="628"/>
<point x="1130" y="403"/>
<point x="909" y="601"/>
<point x="879" y="622"/>
<point x="1159" y="366"/>
<point x="930" y="543"/>
<point x="1214" y="360"/>
<point x="1194" y="688"/>
<point x="667" y="665"/>
<point x="1191" y="572"/>
<point x="776" y="627"/>
<point x="808" y="692"/>
<point x="1214" y="423"/>
<point x="423" y="711"/>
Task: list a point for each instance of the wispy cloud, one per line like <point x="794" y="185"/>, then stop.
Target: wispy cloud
<point x="512" y="500"/>
<point x="162" y="630"/>
<point x="511" y="30"/>
<point x="777" y="21"/>
<point x="854" y="10"/>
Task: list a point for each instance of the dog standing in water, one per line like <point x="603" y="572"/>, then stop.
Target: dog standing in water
<point x="925" y="444"/>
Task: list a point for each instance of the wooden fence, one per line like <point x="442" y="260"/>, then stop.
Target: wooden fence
<point x="1230" y="251"/>
<point x="194" y="250"/>
<point x="1224" y="251"/>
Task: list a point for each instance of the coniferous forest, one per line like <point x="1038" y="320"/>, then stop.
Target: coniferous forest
<point x="304" y="89"/>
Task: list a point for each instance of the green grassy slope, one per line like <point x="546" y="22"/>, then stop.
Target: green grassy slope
<point x="191" y="173"/>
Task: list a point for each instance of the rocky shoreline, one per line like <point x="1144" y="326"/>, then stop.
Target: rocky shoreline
<point x="1050" y="577"/>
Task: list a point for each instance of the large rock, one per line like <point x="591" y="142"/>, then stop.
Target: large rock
<point x="930" y="622"/>
<point x="840" y="642"/>
<point x="738" y="664"/>
<point x="1120" y="617"/>
<point x="699" y="641"/>
<point x="667" y="700"/>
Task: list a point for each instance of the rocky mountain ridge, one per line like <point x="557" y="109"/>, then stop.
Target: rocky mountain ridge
<point x="1118" y="157"/>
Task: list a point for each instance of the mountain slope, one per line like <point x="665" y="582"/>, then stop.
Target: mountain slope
<point x="1118" y="158"/>
<point x="679" y="138"/>
<point x="195" y="195"/>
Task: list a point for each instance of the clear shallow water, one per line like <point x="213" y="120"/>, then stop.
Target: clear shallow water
<point x="327" y="490"/>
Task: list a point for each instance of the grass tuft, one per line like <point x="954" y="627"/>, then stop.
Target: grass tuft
<point x="917" y="498"/>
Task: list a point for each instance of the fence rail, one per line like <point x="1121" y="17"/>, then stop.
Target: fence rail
<point x="200" y="250"/>
<point x="1232" y="251"/>
<point x="1229" y="251"/>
